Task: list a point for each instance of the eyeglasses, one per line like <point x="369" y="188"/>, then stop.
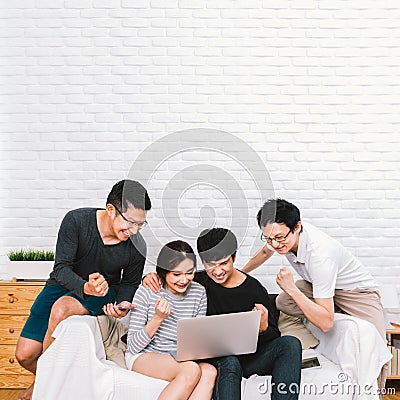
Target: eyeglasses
<point x="278" y="239"/>
<point x="131" y="224"/>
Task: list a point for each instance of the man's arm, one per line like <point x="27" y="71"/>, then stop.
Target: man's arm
<point x="320" y="312"/>
<point x="152" y="281"/>
<point x="268" y="323"/>
<point x="132" y="273"/>
<point x="66" y="250"/>
<point x="259" y="258"/>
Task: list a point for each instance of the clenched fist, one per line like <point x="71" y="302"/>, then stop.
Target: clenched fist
<point x="285" y="280"/>
<point x="96" y="285"/>
<point x="162" y="308"/>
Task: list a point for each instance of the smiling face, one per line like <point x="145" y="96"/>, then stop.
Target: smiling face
<point x="280" y="238"/>
<point x="178" y="280"/>
<point x="220" y="271"/>
<point x="121" y="228"/>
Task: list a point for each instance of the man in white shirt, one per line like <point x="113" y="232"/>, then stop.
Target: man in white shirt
<point x="331" y="275"/>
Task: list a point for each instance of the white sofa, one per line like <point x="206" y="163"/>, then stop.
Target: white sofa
<point x="75" y="366"/>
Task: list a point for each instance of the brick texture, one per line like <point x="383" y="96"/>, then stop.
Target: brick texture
<point x="313" y="88"/>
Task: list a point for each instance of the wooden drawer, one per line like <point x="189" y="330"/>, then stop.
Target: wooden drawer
<point x="15" y="381"/>
<point x="10" y="328"/>
<point x="8" y="362"/>
<point x="17" y="298"/>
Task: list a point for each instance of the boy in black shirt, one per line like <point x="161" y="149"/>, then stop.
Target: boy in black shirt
<point x="230" y="290"/>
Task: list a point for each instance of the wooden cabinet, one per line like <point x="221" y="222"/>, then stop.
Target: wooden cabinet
<point x="16" y="299"/>
<point x="393" y="336"/>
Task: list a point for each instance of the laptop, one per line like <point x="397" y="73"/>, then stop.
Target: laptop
<point x="217" y="335"/>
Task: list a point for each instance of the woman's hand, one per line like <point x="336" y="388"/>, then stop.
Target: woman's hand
<point x="162" y="308"/>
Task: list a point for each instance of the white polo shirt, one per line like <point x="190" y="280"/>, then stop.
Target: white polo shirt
<point x="327" y="264"/>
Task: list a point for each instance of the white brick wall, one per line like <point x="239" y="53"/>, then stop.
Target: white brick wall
<point x="312" y="86"/>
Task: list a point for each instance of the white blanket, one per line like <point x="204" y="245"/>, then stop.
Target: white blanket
<point x="359" y="351"/>
<point x="73" y="363"/>
<point x="74" y="367"/>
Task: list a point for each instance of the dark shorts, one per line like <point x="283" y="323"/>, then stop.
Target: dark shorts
<point x="36" y="325"/>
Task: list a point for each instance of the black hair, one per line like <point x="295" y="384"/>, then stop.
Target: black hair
<point x="172" y="254"/>
<point x="128" y="193"/>
<point x="279" y="211"/>
<point x="216" y="243"/>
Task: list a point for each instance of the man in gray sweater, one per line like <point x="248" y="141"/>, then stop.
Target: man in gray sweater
<point x="99" y="261"/>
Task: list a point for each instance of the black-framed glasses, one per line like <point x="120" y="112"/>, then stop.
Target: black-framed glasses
<point x="278" y="239"/>
<point x="130" y="224"/>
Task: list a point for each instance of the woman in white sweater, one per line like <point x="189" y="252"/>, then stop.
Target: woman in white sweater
<point x="152" y="328"/>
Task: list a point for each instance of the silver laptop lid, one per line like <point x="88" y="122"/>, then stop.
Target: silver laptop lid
<point x="217" y="335"/>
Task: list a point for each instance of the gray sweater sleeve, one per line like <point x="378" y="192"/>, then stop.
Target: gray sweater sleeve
<point x="138" y="338"/>
<point x="202" y="308"/>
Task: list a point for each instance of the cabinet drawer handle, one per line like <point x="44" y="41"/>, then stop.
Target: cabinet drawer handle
<point x="11" y="330"/>
<point x="11" y="298"/>
<point x="11" y="361"/>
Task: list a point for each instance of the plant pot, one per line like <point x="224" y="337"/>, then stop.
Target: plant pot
<point x="29" y="269"/>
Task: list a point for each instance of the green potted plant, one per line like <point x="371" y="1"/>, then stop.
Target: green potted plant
<point x="30" y="263"/>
